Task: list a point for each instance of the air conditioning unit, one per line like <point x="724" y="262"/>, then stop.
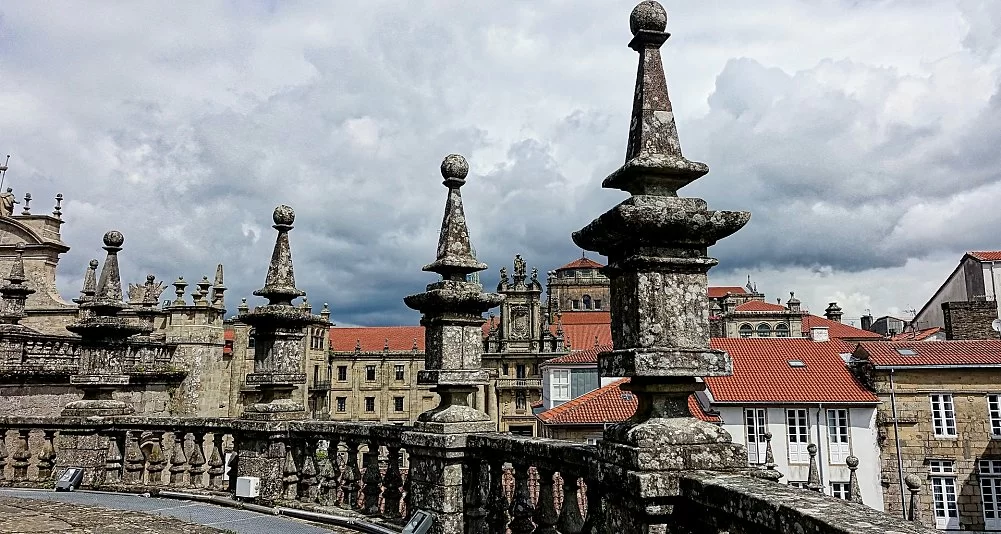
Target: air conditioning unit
<point x="248" y="487"/>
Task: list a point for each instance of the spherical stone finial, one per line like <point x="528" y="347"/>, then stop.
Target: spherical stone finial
<point x="284" y="215"/>
<point x="455" y="167"/>
<point x="852" y="462"/>
<point x="811" y="448"/>
<point x="150" y="278"/>
<point x="913" y="482"/>
<point x="19" y="247"/>
<point x="93" y="264"/>
<point x="648" y="15"/>
<point x="114" y="238"/>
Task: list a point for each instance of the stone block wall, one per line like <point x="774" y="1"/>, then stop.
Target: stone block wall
<point x="970" y="319"/>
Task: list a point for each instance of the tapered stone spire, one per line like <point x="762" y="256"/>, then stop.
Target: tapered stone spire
<point x="89" y="283"/>
<point x="279" y="359"/>
<point x="15" y="292"/>
<point x="218" y="289"/>
<point x="452" y="314"/>
<point x="657" y="244"/>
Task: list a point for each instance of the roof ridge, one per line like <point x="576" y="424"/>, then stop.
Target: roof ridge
<point x="556" y="411"/>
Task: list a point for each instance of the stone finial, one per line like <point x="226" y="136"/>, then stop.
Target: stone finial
<point x="15" y="293"/>
<point x="179" y="286"/>
<point x="218" y="288"/>
<point x="27" y="201"/>
<point x="833" y="312"/>
<point x="57" y="212"/>
<point x="914" y="486"/>
<point x="109" y="285"/>
<point x="202" y="292"/>
<point x="503" y="283"/>
<point x="648" y="16"/>
<point x="243" y="308"/>
<point x="455" y="257"/>
<point x="385" y="345"/>
<point x="769" y="472"/>
<point x="357" y="345"/>
<point x="325" y="312"/>
<point x="414" y="347"/>
<point x="89" y="283"/>
<point x="279" y="286"/>
<point x="854" y="491"/>
<point x="813" y="479"/>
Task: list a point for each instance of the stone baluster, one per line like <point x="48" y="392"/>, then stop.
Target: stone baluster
<point x="197" y="458"/>
<point x="156" y="460"/>
<point x="290" y="478"/>
<point x="521" y="502"/>
<point x="914" y="486"/>
<point x="27" y="204"/>
<point x="21" y="457"/>
<point x="594" y="523"/>
<point x="309" y="481"/>
<point x="47" y="456"/>
<point x="330" y="473"/>
<point x="372" y="479"/>
<point x="135" y="461"/>
<point x="854" y="491"/>
<point x="393" y="484"/>
<point x="113" y="461"/>
<point x="570" y="521"/>
<point x="477" y="485"/>
<point x="545" y="508"/>
<point x="497" y="505"/>
<point x="3" y="454"/>
<point x="231" y="463"/>
<point x="57" y="212"/>
<point x="217" y="465"/>
<point x="813" y="478"/>
<point x="178" y="460"/>
<point x="351" y="478"/>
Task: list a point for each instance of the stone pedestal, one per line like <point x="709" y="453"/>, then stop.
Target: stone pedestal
<point x="435" y="478"/>
<point x="82" y="447"/>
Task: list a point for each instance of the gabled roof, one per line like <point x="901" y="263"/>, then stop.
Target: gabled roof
<point x="581" y="263"/>
<point x="759" y="306"/>
<point x="986" y="255"/>
<point x="968" y="353"/>
<point x="917" y="335"/>
<point x="836" y="329"/>
<point x="722" y="291"/>
<point x="762" y="372"/>
<point x="374" y="338"/>
<point x="608" y="404"/>
<point x="588" y="356"/>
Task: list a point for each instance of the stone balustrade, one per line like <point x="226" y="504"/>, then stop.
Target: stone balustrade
<point x="60" y="355"/>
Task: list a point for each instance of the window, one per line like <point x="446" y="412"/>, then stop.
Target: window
<point x="520" y="401"/>
<point x="764" y="330"/>
<point x="316" y="338"/>
<point x="837" y="436"/>
<point x="798" y="431"/>
<point x="398" y="404"/>
<point x="746" y="330"/>
<point x="841" y="490"/>
<point x="316" y="373"/>
<point x="519" y="371"/>
<point x="943" y="416"/>
<point x="251" y="343"/>
<point x="943" y="486"/>
<point x="369" y="404"/>
<point x="342" y="404"/>
<point x="990" y="490"/>
<point x="782" y="330"/>
<point x="597" y="304"/>
<point x="400" y="370"/>
<point x="370" y="372"/>
<point x="801" y="484"/>
<point x="592" y="441"/>
<point x="342" y="373"/>
<point x="560" y="389"/>
<point x="994" y="409"/>
<point x="754" y="422"/>
<point x="586" y="301"/>
<point x="575" y="304"/>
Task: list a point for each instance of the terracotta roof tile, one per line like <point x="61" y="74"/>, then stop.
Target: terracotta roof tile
<point x="722" y="291"/>
<point x="917" y="335"/>
<point x="608" y="404"/>
<point x="584" y="336"/>
<point x="759" y="305"/>
<point x="581" y="263"/>
<point x="836" y="329"/>
<point x="585" y="317"/>
<point x="588" y="356"/>
<point x="986" y="255"/>
<point x="762" y="372"/>
<point x="958" y="353"/>
<point x="374" y="338"/>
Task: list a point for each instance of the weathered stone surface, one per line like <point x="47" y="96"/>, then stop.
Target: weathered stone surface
<point x="31" y="516"/>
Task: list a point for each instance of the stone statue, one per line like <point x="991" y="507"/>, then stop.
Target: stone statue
<point x="535" y="275"/>
<point x="503" y="276"/>
<point x="519" y="267"/>
<point x="7" y="202"/>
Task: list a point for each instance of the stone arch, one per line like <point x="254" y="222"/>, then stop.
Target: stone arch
<point x="764" y="330"/>
<point x="745" y="330"/>
<point x="13" y="231"/>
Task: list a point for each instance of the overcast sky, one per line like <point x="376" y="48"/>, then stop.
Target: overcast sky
<point x="863" y="136"/>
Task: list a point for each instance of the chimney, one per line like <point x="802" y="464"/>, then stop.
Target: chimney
<point x="793" y="304"/>
<point x="970" y="319"/>
<point x="833" y="312"/>
<point x="819" y="334"/>
<point x="867" y="322"/>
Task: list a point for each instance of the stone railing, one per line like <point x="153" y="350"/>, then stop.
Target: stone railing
<point x="60" y="355"/>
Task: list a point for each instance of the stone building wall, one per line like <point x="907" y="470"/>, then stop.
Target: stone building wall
<point x="969" y="319"/>
<point x="383" y="389"/>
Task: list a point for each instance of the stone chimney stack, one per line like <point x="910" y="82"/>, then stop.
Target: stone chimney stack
<point x="867" y="321"/>
<point x="970" y="319"/>
<point x="833" y="312"/>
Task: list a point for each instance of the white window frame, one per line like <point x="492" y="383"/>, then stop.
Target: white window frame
<point x="755" y="426"/>
<point x="944" y="495"/>
<point x="559" y="385"/>
<point x="943" y="411"/>
<point x="994" y="413"/>
<point x="798" y="435"/>
<point x="838" y="435"/>
<point x="989" y="472"/>
<point x="841" y="490"/>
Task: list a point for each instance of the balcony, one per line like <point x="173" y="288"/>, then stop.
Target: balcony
<point x="320" y="385"/>
<point x="519" y="383"/>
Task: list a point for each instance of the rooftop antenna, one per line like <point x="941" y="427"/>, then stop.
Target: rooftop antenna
<point x="3" y="170"/>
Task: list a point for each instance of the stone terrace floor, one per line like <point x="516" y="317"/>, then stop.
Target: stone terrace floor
<point x="39" y="511"/>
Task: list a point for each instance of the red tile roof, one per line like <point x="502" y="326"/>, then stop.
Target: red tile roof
<point x="759" y="305"/>
<point x="937" y="353"/>
<point x="917" y="335"/>
<point x="986" y="255"/>
<point x="609" y="404"/>
<point x="836" y="329"/>
<point x="585" y="317"/>
<point x="722" y="291"/>
<point x="581" y="263"/>
<point x="586" y="336"/>
<point x="374" y="338"/>
<point x="762" y="373"/>
<point x="588" y="356"/>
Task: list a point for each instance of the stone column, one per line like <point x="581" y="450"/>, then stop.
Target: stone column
<point x="656" y="243"/>
<point x="452" y="314"/>
<point x="104" y="341"/>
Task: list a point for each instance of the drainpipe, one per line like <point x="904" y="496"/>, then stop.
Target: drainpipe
<point x="820" y="448"/>
<point x="896" y="439"/>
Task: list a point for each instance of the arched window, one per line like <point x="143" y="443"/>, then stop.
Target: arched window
<point x="587" y="302"/>
<point x="781" y="330"/>
<point x="764" y="330"/>
<point x="746" y="330"/>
